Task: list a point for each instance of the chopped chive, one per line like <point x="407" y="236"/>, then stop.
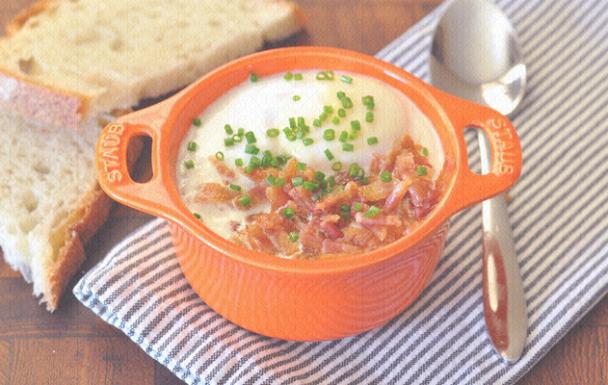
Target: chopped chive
<point x="329" y="134"/>
<point x="288" y="76"/>
<point x="368" y="101"/>
<point x="372" y="211"/>
<point x="298" y="76"/>
<point x="235" y="187"/>
<point x="270" y="179"/>
<point x="228" y="142"/>
<point x="288" y="212"/>
<point x="266" y="160"/>
<point x="192" y="146"/>
<point x="319" y="175"/>
<point x="336" y="166"/>
<point x="197" y="122"/>
<point x="355" y="125"/>
<point x="293" y="236"/>
<point x="300" y="134"/>
<point x="245" y="200"/>
<point x="310" y="186"/>
<point x="342" y="112"/>
<point x="240" y="131"/>
<point x="347" y="102"/>
<point x="219" y="155"/>
<point x="331" y="182"/>
<point x="253" y="77"/>
<point x="353" y="135"/>
<point x="297" y="181"/>
<point x="301" y="166"/>
<point x="323" y="116"/>
<point x="279" y="182"/>
<point x="369" y="116"/>
<point x="238" y="162"/>
<point x="372" y="140"/>
<point x="343" y="137"/>
<point x="353" y="170"/>
<point x="329" y="154"/>
<point x="291" y="137"/>
<point x="385" y="176"/>
<point x="255" y="162"/>
<point x="250" y="136"/>
<point x="425" y="151"/>
<point x="301" y="122"/>
<point x="341" y="95"/>
<point x="344" y="208"/>
<point x="228" y="129"/>
<point x="316" y="122"/>
<point x="237" y="139"/>
<point x="328" y="109"/>
<point x="273" y="132"/>
<point x="251" y="149"/>
<point x="292" y="122"/>
<point x="346" y="79"/>
<point x="348" y="147"/>
<point x="197" y="215"/>
<point x="421" y="170"/>
<point x="357" y="206"/>
<point x="335" y="120"/>
<point x="249" y="169"/>
<point x="296" y="98"/>
<point x="308" y="141"/>
<point x="281" y="159"/>
<point x="189" y="164"/>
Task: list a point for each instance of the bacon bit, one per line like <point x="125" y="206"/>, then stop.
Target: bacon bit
<point x="359" y="236"/>
<point x="405" y="166"/>
<point x="380" y="220"/>
<point x="302" y="197"/>
<point x="422" y="193"/>
<point x="257" y="194"/>
<point x="222" y="168"/>
<point x="285" y="245"/>
<point x="269" y="222"/>
<point x="330" y="246"/>
<point x="276" y="196"/>
<point x="375" y="191"/>
<point x="331" y="218"/>
<point x="396" y="196"/>
<point x="214" y="193"/>
<point x="338" y="196"/>
<point x="331" y="230"/>
<point x="258" y="240"/>
<point x="310" y="240"/>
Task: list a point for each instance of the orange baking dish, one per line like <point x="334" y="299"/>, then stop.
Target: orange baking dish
<point x="304" y="299"/>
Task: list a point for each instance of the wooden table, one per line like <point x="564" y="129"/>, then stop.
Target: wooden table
<point x="73" y="346"/>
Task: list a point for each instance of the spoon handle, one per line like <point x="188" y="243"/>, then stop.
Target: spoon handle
<point x="505" y="310"/>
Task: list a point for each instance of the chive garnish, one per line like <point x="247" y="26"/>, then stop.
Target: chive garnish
<point x="301" y="122"/>
<point x="308" y="141"/>
<point x="288" y="212"/>
<point x="255" y="162"/>
<point x="270" y="179"/>
<point x="357" y="206"/>
<point x="335" y="120"/>
<point x="353" y="170"/>
<point x="328" y="109"/>
<point x="368" y="101"/>
<point x="228" y="142"/>
<point x="342" y="112"/>
<point x="253" y="77"/>
<point x="329" y="154"/>
<point x="250" y="136"/>
<point x="228" y="129"/>
<point x="310" y="186"/>
<point x="192" y="146"/>
<point x="341" y="95"/>
<point x="355" y="125"/>
<point x="245" y="200"/>
<point x="343" y="136"/>
<point x="251" y="149"/>
<point x="319" y="175"/>
<point x="316" y="122"/>
<point x="337" y="166"/>
<point x="219" y="155"/>
<point x="288" y="76"/>
<point x="329" y="134"/>
<point x="189" y="164"/>
<point x="293" y="236"/>
<point x="301" y="166"/>
<point x="372" y="140"/>
<point x="237" y="138"/>
<point x="296" y="98"/>
<point x="385" y="176"/>
<point x="425" y="151"/>
<point x="369" y="116"/>
<point x="346" y="79"/>
<point x="298" y="76"/>
<point x="248" y="169"/>
<point x="297" y="181"/>
<point x="292" y="122"/>
<point x="197" y="122"/>
<point x="344" y="208"/>
<point x="372" y="211"/>
<point x="238" y="162"/>
<point x="235" y="187"/>
<point x="347" y="102"/>
<point x="197" y="215"/>
<point x="273" y="132"/>
<point x="240" y="131"/>
<point x="421" y="170"/>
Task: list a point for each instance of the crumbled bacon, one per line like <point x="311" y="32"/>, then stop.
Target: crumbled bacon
<point x="376" y="191"/>
<point x="397" y="195"/>
<point x="222" y="168"/>
<point x="214" y="193"/>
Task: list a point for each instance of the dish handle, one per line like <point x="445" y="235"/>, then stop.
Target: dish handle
<point x="506" y="155"/>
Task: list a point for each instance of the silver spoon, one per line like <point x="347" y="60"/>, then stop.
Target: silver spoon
<point x="476" y="55"/>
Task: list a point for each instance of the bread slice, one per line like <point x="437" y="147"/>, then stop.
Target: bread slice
<point x="113" y="53"/>
<point x="66" y="63"/>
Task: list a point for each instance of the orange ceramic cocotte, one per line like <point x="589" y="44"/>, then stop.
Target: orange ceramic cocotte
<point x="305" y="299"/>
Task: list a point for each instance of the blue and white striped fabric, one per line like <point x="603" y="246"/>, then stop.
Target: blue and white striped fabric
<point x="560" y="218"/>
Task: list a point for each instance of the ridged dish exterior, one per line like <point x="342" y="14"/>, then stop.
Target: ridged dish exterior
<point x="307" y="307"/>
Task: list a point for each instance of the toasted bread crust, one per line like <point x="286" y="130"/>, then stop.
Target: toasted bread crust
<point x="25" y="14"/>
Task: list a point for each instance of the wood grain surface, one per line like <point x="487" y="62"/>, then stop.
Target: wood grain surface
<point x="73" y="346"/>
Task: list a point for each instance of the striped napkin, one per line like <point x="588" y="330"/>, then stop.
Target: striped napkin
<point x="559" y="214"/>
